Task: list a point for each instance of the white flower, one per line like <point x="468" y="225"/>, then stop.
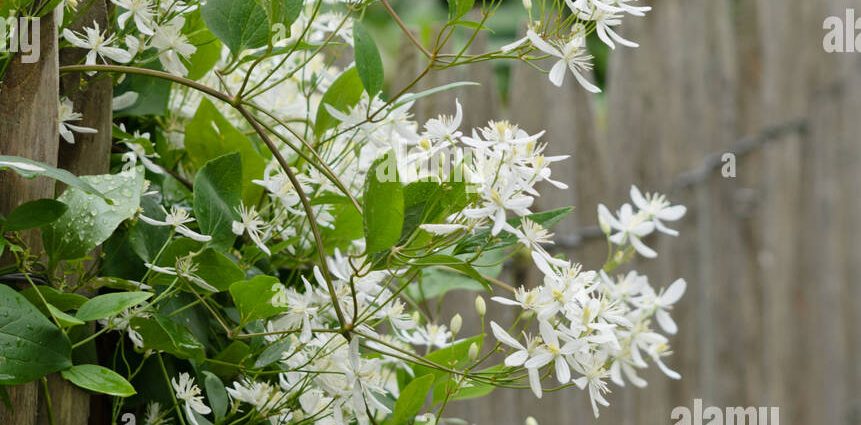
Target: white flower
<point x="552" y="351"/>
<point x="629" y="227"/>
<point x="594" y="379"/>
<point x="658" y="208"/>
<point x="525" y="299"/>
<point x="521" y="353"/>
<point x="263" y="396"/>
<point x="663" y="302"/>
<point x="496" y="203"/>
<point x="445" y="127"/>
<point x="302" y="309"/>
<point x="251" y="223"/>
<point x="177" y="218"/>
<point x="188" y="392"/>
<point x="172" y="45"/>
<point x="153" y="415"/>
<point x="138" y="153"/>
<point x="66" y="114"/>
<point x="431" y="336"/>
<point x="139" y="10"/>
<point x="184" y="268"/>
<point x="99" y="46"/>
<point x="532" y="235"/>
<point x="572" y="55"/>
<point x="604" y="23"/>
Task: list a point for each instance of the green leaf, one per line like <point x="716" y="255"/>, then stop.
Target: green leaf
<point x="228" y="361"/>
<point x="272" y="353"/>
<point x="430" y="202"/>
<point x="344" y="93"/>
<point x="162" y="334"/>
<point x="30" y="345"/>
<point x="29" y="169"/>
<point x="240" y="25"/>
<point x="454" y="263"/>
<point x="145" y="239"/>
<point x="455" y="356"/>
<point x="90" y="220"/>
<point x="208" y="47"/>
<point x="209" y="135"/>
<point x="9" y="6"/>
<point x="108" y="305"/>
<point x="253" y="298"/>
<point x="368" y="62"/>
<point x="215" y="394"/>
<point x="411" y="400"/>
<point x="153" y="93"/>
<point x="437" y="281"/>
<point x="34" y="214"/>
<point x="65" y="320"/>
<point x="217" y="270"/>
<point x="458" y="8"/>
<point x="99" y="379"/>
<point x="64" y="301"/>
<point x="283" y="12"/>
<point x="217" y="196"/>
<point x="384" y="206"/>
<point x="473" y="390"/>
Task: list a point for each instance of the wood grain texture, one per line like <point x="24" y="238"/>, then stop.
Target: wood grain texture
<point x="28" y="128"/>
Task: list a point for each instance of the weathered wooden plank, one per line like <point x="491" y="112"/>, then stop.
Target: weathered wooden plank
<point x="29" y="128"/>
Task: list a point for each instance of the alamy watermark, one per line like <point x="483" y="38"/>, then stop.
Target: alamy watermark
<point x="713" y="415"/>
<point x="21" y="35"/>
<point x="842" y="34"/>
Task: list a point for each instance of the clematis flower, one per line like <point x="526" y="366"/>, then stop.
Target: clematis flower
<point x="173" y="46"/>
<point x="99" y="46"/>
<point x="177" y="218"/>
<point x="251" y="223"/>
<point x="629" y="227"/>
<point x="188" y="392"/>
<point x="140" y="11"/>
<point x="66" y="114"/>
<point x="572" y="55"/>
<point x="658" y="208"/>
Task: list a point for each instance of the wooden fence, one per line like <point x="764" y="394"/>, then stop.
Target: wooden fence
<point x="772" y="316"/>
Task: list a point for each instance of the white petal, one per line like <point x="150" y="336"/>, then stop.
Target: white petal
<point x="638" y="198"/>
<point x="517" y="359"/>
<point x="563" y="373"/>
<point x="666" y="322"/>
<point x="504" y="337"/>
<point x="674" y="292"/>
<point x="557" y="73"/>
<point x="542" y="45"/>
<point x="584" y="82"/>
<point x="672" y="213"/>
<point x="644" y="250"/>
<point x="535" y="382"/>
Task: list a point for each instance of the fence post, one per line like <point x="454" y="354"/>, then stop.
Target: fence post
<point x="29" y="128"/>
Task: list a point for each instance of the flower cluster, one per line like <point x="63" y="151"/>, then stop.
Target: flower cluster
<point x="343" y="320"/>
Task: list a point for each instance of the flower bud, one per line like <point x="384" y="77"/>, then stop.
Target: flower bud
<point x="480" y="306"/>
<point x="473" y="351"/>
<point x="603" y="225"/>
<point x="531" y="421"/>
<point x="456" y="324"/>
<point x="527" y="4"/>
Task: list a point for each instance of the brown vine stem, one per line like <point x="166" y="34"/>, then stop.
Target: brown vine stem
<point x="236" y="103"/>
<point x="406" y="30"/>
